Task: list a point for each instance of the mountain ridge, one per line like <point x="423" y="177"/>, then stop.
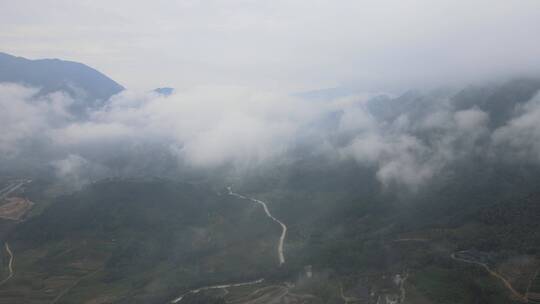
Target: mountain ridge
<point x="79" y="80"/>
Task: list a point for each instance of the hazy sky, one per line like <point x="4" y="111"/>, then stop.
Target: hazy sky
<point x="286" y="44"/>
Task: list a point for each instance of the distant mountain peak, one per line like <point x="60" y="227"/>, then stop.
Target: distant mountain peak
<point x="165" y="91"/>
<point x="82" y="82"/>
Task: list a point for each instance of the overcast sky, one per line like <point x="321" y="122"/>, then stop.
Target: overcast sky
<point x="287" y="44"/>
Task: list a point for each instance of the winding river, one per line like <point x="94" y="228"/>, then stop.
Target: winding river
<point x="283" y="226"/>
<point x="10" y="265"/>
<point x="279" y="249"/>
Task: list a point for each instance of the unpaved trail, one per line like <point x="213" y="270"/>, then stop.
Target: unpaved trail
<point x="10" y="265"/>
<point x="515" y="293"/>
<point x="224" y="286"/>
<point x="283" y="226"/>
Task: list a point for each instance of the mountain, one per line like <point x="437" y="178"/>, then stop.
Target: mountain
<point x="499" y="100"/>
<point x="165" y="91"/>
<point x="77" y="79"/>
<point x="469" y="234"/>
<point x="125" y="235"/>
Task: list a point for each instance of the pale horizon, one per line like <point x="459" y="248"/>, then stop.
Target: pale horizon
<point x="284" y="45"/>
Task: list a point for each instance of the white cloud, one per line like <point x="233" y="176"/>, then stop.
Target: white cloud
<point x="520" y="137"/>
<point x="400" y="159"/>
<point x="471" y="120"/>
<point x="402" y="155"/>
<point x="76" y="171"/>
<point x="206" y="127"/>
<point x="211" y="127"/>
<point x="23" y="116"/>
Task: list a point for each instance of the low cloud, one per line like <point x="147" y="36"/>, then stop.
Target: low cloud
<point x="219" y="127"/>
<point x="24" y="116"/>
<point x="520" y="137"/>
<point x="204" y="127"/>
<point x="401" y="159"/>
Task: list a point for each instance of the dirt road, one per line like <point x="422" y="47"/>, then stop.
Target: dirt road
<point x="224" y="286"/>
<point x="507" y="284"/>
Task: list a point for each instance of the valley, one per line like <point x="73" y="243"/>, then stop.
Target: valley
<point x="270" y="152"/>
<point x="407" y="199"/>
<point x="234" y="252"/>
